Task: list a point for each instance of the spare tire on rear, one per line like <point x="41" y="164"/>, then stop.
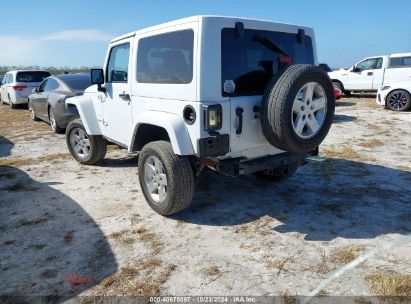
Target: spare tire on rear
<point x="297" y="109"/>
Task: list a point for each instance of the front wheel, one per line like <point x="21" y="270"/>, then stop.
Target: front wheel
<point x="278" y="174"/>
<point x="399" y="100"/>
<point x="167" y="180"/>
<point x="86" y="149"/>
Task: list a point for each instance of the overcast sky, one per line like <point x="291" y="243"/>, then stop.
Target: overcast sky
<point x="46" y="32"/>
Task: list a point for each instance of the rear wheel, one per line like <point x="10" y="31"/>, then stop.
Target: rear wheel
<point x="86" y="149"/>
<point x="11" y="104"/>
<point x="31" y="110"/>
<point x="167" y="180"/>
<point x="399" y="100"/>
<point x="278" y="174"/>
<point x="53" y="122"/>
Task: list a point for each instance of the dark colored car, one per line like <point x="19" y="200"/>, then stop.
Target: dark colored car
<point x="325" y="67"/>
<point x="48" y="100"/>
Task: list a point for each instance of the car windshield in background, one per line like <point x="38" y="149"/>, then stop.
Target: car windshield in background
<point x="250" y="62"/>
<point x="77" y="82"/>
<point x="31" y="76"/>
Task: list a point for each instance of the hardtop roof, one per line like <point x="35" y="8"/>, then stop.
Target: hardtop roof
<point x="194" y="19"/>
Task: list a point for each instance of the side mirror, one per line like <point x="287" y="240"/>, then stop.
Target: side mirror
<point x="35" y="90"/>
<point x="97" y="77"/>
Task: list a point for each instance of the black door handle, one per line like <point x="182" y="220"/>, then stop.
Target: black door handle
<point x="239" y="112"/>
<point x="124" y="96"/>
<point x="370" y="73"/>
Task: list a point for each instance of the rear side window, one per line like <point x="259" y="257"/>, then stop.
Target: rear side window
<point x="166" y="58"/>
<point x="400" y="62"/>
<point x="31" y="76"/>
<point x="51" y="85"/>
<point x="117" y="69"/>
<point x="250" y="62"/>
<point x="77" y="82"/>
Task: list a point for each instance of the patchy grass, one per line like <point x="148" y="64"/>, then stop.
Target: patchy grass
<point x="371" y="143"/>
<point x="211" y="271"/>
<point x="142" y="278"/>
<point x="345" y="153"/>
<point x="346" y="254"/>
<point x="19" y="162"/>
<point x="7" y="175"/>
<point x="390" y="284"/>
<point x="68" y="237"/>
<point x="20" y="186"/>
<point x="41" y="219"/>
<point x="39" y="246"/>
<point x="279" y="265"/>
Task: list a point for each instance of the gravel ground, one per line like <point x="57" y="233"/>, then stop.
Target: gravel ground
<point x="68" y="229"/>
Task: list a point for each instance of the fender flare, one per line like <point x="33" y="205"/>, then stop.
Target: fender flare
<point x="173" y="124"/>
<point x="86" y="110"/>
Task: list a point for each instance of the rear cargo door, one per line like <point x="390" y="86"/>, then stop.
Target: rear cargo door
<point x="249" y="62"/>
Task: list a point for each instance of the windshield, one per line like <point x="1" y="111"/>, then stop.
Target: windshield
<point x="31" y="76"/>
<point x="251" y="62"/>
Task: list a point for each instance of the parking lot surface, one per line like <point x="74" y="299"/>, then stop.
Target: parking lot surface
<point x="71" y="229"/>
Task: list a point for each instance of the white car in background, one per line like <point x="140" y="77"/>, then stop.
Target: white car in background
<point x="18" y="85"/>
<point x="395" y="96"/>
<point x="371" y="73"/>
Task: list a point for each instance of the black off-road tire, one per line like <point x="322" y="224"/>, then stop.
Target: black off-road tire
<point x="276" y="108"/>
<point x="278" y="174"/>
<point x="401" y="109"/>
<point x="179" y="173"/>
<point x="98" y="145"/>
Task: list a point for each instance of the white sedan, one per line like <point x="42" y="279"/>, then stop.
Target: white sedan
<point x="395" y="96"/>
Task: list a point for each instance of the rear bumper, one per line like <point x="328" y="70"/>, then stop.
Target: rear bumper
<point x="238" y="166"/>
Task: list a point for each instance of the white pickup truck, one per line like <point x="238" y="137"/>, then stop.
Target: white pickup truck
<point x="371" y="73"/>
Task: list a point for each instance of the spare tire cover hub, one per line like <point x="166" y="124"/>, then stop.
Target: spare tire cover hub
<point x="309" y="110"/>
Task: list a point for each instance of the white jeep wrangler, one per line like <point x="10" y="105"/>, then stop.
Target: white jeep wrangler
<point x="233" y="95"/>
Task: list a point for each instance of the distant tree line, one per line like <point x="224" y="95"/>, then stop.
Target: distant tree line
<point x="52" y="70"/>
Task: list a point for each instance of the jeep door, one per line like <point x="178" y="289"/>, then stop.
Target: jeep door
<point x="248" y="65"/>
<point x="117" y="103"/>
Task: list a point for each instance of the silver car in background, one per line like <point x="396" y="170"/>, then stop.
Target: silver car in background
<point x="48" y="100"/>
<point x="18" y="85"/>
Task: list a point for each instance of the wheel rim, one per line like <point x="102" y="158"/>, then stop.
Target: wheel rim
<point x="309" y="110"/>
<point x="398" y="100"/>
<point x="31" y="110"/>
<point x="155" y="179"/>
<point x="80" y="143"/>
<point x="52" y="120"/>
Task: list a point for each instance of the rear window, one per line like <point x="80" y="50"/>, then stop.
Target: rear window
<point x="31" y="76"/>
<point x="166" y="58"/>
<point x="400" y="62"/>
<point x="250" y="62"/>
<point x="77" y="82"/>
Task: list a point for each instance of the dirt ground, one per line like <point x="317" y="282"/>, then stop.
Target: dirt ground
<point x="68" y="229"/>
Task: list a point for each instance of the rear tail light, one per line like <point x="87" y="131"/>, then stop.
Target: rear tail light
<point x="19" y="88"/>
<point x="285" y="59"/>
<point x="213" y="117"/>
